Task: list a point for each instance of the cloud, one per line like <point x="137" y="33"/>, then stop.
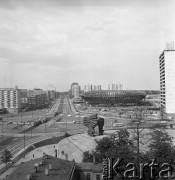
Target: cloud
<point x="83" y="41"/>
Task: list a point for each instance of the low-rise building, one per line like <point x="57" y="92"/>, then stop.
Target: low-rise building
<point x="52" y="168"/>
<point x="88" y="171"/>
<point x="46" y="168"/>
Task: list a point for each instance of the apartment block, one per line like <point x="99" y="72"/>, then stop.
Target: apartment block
<point x="36" y="99"/>
<point x="10" y="99"/>
<point x="167" y="80"/>
<point x="114" y="87"/>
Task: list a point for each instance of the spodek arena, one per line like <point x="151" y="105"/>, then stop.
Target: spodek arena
<point x="111" y="97"/>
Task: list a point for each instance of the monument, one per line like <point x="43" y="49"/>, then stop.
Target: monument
<point x="91" y="121"/>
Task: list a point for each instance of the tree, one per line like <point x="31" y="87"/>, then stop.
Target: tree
<point x="87" y="156"/>
<point x="6" y="156"/>
<point x="138" y="125"/>
<point x="163" y="115"/>
<point x="111" y="147"/>
<point x="161" y="147"/>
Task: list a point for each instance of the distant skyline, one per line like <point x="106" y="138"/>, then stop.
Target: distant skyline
<point x="52" y="43"/>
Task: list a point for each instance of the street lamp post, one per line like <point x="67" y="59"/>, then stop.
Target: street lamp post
<point x="78" y="123"/>
<point x="69" y="115"/>
<point x="21" y="116"/>
<point x="24" y="140"/>
<point x="38" y="114"/>
<point x="45" y="127"/>
<point x="45" y="118"/>
<point x="32" y="114"/>
<point x="1" y="119"/>
<point x="31" y="131"/>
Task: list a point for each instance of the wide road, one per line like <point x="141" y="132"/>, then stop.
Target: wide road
<point x="17" y="142"/>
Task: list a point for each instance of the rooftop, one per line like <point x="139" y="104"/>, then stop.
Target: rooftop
<point x="61" y="169"/>
<point x="89" y="167"/>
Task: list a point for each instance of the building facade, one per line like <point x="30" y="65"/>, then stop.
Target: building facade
<point x="48" y="95"/>
<point x="90" y="87"/>
<point x="72" y="89"/>
<point x="87" y="88"/>
<point x="76" y="91"/>
<point x="97" y="87"/>
<point x="36" y="99"/>
<point x="108" y="97"/>
<point x="167" y="80"/>
<point x="112" y="86"/>
<point x="52" y="95"/>
<point x="10" y="99"/>
<point x="23" y="98"/>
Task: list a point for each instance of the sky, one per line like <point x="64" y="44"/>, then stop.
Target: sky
<point x="51" y="43"/>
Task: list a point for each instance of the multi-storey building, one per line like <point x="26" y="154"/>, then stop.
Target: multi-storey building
<point x="167" y="80"/>
<point x="113" y="87"/>
<point x="72" y="89"/>
<point x="36" y="99"/>
<point x="48" y="95"/>
<point x="87" y="88"/>
<point x="97" y="87"/>
<point x="23" y="98"/>
<point x="10" y="99"/>
<point x="76" y="91"/>
<point x="52" y="94"/>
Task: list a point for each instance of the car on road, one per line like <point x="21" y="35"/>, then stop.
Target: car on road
<point x="118" y="125"/>
<point x="10" y="122"/>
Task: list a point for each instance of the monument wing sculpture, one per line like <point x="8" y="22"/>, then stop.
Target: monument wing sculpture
<point x="91" y="121"/>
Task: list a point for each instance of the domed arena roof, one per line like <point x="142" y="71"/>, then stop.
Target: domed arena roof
<point x="113" y="97"/>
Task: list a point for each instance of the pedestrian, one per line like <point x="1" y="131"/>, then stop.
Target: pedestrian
<point x="33" y="155"/>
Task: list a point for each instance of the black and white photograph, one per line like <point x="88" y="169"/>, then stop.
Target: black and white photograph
<point x="87" y="89"/>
